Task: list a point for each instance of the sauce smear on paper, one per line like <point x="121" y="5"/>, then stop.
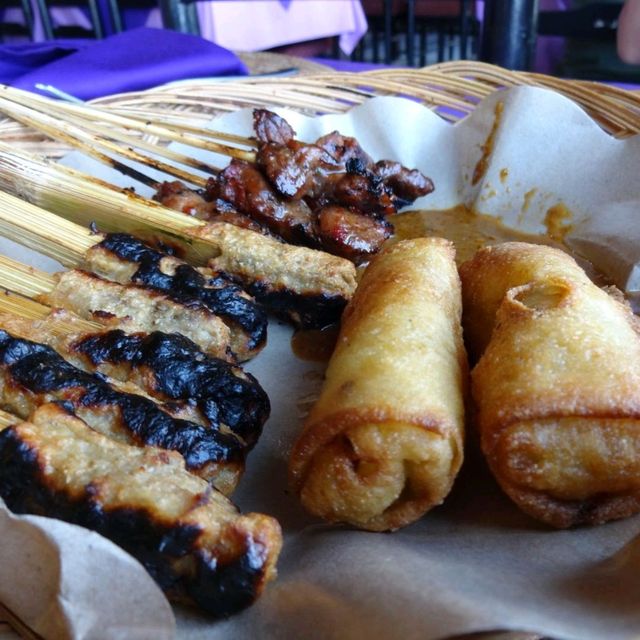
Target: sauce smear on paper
<point x="315" y="345"/>
<point x="469" y="231"/>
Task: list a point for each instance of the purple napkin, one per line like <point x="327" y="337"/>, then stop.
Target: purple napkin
<point x="129" y="61"/>
<point x="18" y="59"/>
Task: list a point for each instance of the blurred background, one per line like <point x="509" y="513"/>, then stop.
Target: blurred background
<point x="566" y="38"/>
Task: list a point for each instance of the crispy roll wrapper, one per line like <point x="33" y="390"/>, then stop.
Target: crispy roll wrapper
<point x="190" y="538"/>
<point x="383" y="443"/>
<point x="493" y="271"/>
<point x="557" y="390"/>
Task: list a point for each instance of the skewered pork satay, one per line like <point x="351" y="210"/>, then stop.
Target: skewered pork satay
<point x="176" y="195"/>
<point x="168" y="367"/>
<point x="351" y="235"/>
<point x="124" y="259"/>
<point x="270" y="127"/>
<point x="33" y="374"/>
<point x="190" y="538"/>
<point x="243" y="185"/>
<point x="334" y="170"/>
<point x="291" y="183"/>
<point x="337" y="229"/>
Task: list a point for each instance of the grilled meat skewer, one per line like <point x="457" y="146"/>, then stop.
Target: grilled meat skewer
<point x="32" y="374"/>
<point x="246" y="189"/>
<point x="169" y="367"/>
<point x="94" y="298"/>
<point x="307" y="287"/>
<point x="287" y="271"/>
<point x="176" y="195"/>
<point x="190" y="538"/>
<point x="329" y="195"/>
<point x="125" y="259"/>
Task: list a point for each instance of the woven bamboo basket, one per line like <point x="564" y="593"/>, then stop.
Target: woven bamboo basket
<point x="452" y="89"/>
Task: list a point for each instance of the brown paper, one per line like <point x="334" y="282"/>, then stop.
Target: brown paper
<point x="62" y="581"/>
<point x="476" y="563"/>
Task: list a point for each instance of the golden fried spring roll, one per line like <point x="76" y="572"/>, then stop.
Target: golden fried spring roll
<point x="492" y="272"/>
<point x="383" y="443"/>
<point x="557" y="390"/>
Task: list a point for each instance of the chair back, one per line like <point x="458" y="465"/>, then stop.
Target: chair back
<point x="89" y="26"/>
<point x="16" y="19"/>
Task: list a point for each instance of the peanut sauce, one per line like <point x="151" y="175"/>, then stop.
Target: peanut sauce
<point x="469" y="231"/>
<point x="557" y="221"/>
<point x="487" y="147"/>
<point x="315" y="345"/>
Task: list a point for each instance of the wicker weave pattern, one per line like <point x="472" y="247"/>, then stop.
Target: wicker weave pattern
<point x="453" y="89"/>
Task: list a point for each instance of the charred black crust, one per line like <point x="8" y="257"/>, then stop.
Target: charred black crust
<point x="182" y="372"/>
<point x="189" y="287"/>
<point x="304" y="311"/>
<point x="219" y="589"/>
<point x="40" y="370"/>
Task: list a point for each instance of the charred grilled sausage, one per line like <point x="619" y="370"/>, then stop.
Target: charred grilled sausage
<point x="33" y="374"/>
<point x="124" y="259"/>
<point x="310" y="288"/>
<point x="94" y="298"/>
<point x="190" y="538"/>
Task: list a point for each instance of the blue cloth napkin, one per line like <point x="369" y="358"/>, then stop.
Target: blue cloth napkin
<point x="129" y="61"/>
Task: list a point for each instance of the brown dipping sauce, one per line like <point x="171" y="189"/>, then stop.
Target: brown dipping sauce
<point x="469" y="232"/>
<point x="315" y="345"/>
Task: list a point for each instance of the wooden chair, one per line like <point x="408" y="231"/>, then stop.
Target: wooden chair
<point x="24" y="28"/>
<point x="54" y="31"/>
<point x="449" y="20"/>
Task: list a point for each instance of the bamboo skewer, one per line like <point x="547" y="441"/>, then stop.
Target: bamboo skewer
<point x="69" y="323"/>
<point x="11" y="302"/>
<point x="176" y="132"/>
<point x="27" y="281"/>
<point x="93" y="128"/>
<point x="43" y="231"/>
<point x="87" y="141"/>
<point x="6" y="420"/>
<point x="83" y="199"/>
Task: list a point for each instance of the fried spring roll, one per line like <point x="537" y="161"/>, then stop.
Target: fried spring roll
<point x="383" y="443"/>
<point x="306" y="286"/>
<point x="93" y="298"/>
<point x="557" y="389"/>
<point x="190" y="538"/>
<point x="33" y="374"/>
<point x="125" y="259"/>
<point x="492" y="272"/>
